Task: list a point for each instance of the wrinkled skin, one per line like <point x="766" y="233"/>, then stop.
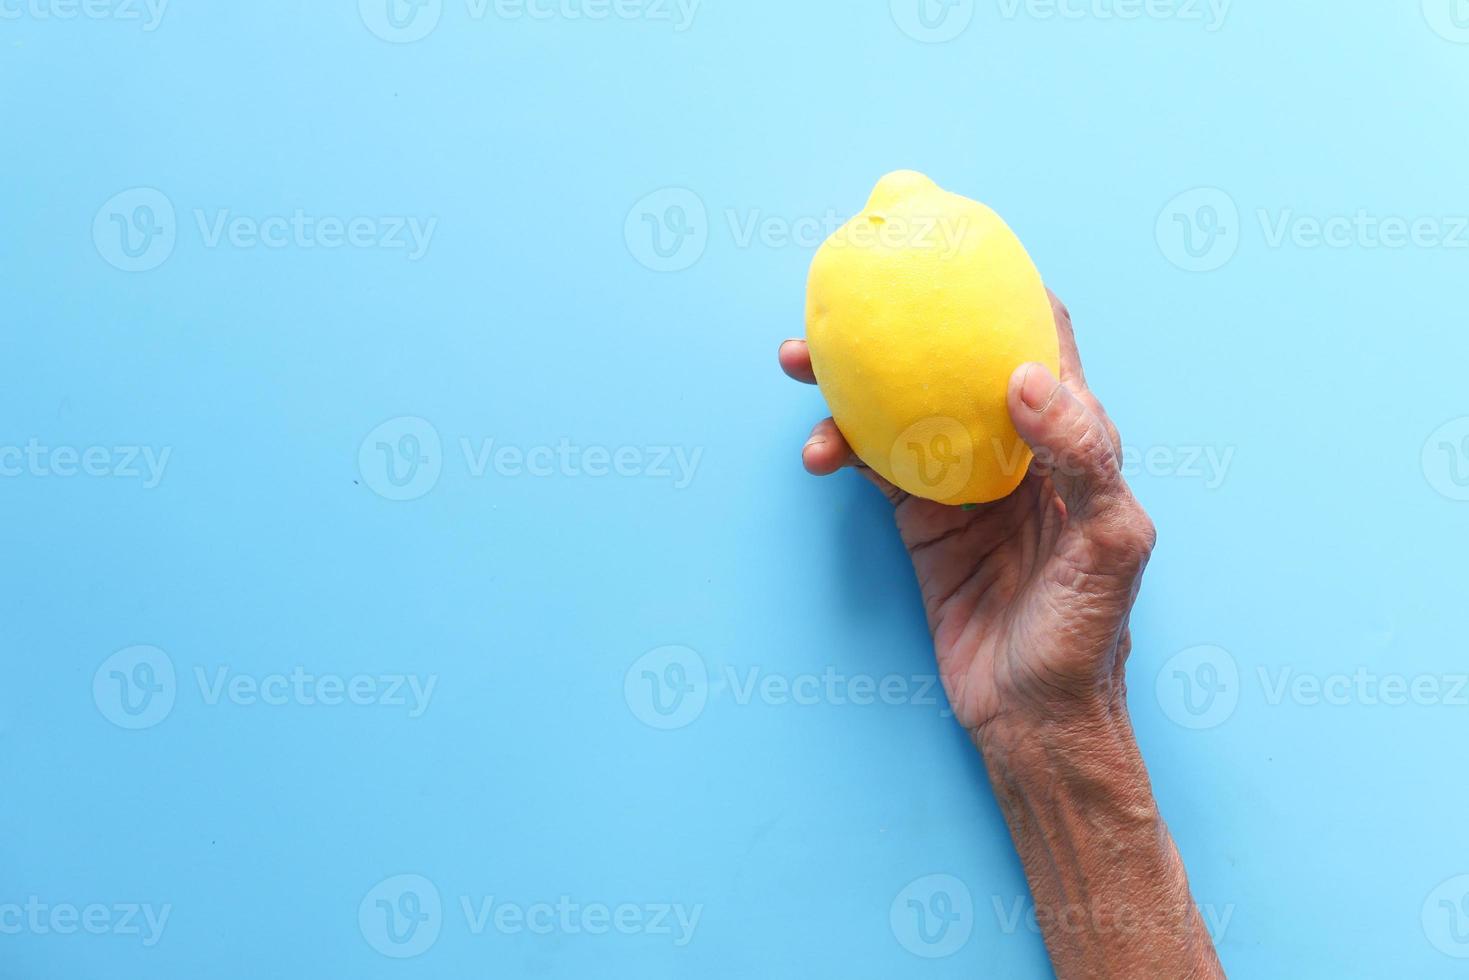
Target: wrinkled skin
<point x="1028" y="597"/>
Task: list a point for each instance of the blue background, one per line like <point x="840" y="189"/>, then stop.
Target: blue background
<point x="1333" y="543"/>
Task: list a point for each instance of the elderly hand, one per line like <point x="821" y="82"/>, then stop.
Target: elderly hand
<point x="1027" y="597"/>
<point x="1028" y="601"/>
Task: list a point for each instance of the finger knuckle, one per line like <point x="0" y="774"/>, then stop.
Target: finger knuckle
<point x="1090" y="450"/>
<point x="1128" y="535"/>
<point x="1139" y="536"/>
<point x="1147" y="531"/>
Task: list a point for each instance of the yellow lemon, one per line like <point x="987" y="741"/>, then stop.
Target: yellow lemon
<point x="918" y="310"/>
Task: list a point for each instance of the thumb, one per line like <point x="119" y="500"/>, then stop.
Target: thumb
<point x="1070" y="442"/>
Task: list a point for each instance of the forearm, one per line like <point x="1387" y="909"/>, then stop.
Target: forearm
<point x="1110" y="891"/>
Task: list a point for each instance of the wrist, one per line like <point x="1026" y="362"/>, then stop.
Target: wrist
<point x="1081" y="704"/>
<point x="1062" y="725"/>
<point x="1079" y="757"/>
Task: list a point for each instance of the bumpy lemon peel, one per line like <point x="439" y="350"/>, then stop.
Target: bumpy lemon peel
<point x="917" y="312"/>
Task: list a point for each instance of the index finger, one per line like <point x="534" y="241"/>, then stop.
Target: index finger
<point x="795" y="361"/>
<point x="1071" y="372"/>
